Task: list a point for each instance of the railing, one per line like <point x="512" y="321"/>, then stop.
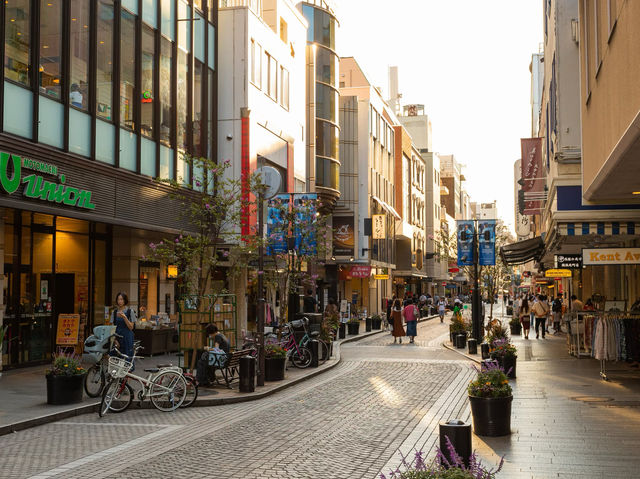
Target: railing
<point x="255" y="5"/>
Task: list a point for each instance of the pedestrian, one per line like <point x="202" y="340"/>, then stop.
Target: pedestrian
<point x="525" y="317"/>
<point x="540" y="310"/>
<point x="331" y="317"/>
<point x="124" y="318"/>
<point x="556" y="307"/>
<point x="389" y="315"/>
<point x="441" y="308"/>
<point x="396" y="313"/>
<point x="516" y="307"/>
<point x="309" y="302"/>
<point x="410" y="315"/>
<point x="576" y="304"/>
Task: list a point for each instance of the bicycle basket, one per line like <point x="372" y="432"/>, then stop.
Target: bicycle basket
<point x="299" y="323"/>
<point x="119" y="367"/>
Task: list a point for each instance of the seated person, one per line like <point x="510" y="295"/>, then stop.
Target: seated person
<point x="219" y="340"/>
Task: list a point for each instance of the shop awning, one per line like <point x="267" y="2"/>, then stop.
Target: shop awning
<point x="387" y="207"/>
<point x="522" y="251"/>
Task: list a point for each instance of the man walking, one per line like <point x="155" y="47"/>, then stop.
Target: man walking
<point x="556" y="307"/>
<point x="540" y="310"/>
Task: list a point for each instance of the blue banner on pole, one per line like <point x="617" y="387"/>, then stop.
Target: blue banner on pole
<point x="487" y="242"/>
<point x="277" y="226"/>
<point x="305" y="207"/>
<point x="465" y="234"/>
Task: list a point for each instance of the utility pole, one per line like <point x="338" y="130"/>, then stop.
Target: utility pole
<point x="476" y="311"/>
<point x="260" y="380"/>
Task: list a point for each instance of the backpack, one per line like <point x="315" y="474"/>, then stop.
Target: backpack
<point x="557" y="306"/>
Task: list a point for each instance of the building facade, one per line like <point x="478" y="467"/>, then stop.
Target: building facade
<point x="99" y="99"/>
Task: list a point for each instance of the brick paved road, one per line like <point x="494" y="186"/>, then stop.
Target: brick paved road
<point x="348" y="423"/>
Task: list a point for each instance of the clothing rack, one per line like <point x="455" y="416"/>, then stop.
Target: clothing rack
<point x="575" y="338"/>
<point x="622" y="336"/>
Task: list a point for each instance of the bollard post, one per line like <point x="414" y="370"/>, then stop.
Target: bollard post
<point x="247" y="374"/>
<point x="484" y="347"/>
<point x="459" y="434"/>
<point x="313" y="346"/>
<point x="473" y="346"/>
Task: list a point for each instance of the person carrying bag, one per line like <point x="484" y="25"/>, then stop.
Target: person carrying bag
<point x="540" y="310"/>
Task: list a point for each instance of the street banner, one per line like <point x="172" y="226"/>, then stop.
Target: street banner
<point x="379" y="227"/>
<point x="523" y="226"/>
<point x="465" y="232"/>
<point x="532" y="173"/>
<point x="276" y="227"/>
<point x="305" y="207"/>
<point x="487" y="243"/>
<point x="67" y="332"/>
<point x="343" y="236"/>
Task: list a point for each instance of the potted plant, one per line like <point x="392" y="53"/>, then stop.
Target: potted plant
<point x="491" y="396"/>
<point x="353" y="326"/>
<point x="275" y="358"/>
<point x="458" y="325"/>
<point x="503" y="351"/>
<point x="515" y="326"/>
<point x="376" y="321"/>
<point x="446" y="465"/>
<point x="496" y="331"/>
<point x="65" y="379"/>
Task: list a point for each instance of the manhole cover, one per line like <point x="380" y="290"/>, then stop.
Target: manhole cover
<point x="592" y="399"/>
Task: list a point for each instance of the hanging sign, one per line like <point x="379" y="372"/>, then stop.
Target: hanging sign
<point x="380" y="276"/>
<point x="277" y="227"/>
<point x="611" y="256"/>
<point x="343" y="236"/>
<point x="379" y="227"/>
<point x="360" y="271"/>
<point x="67" y="332"/>
<point x="487" y="242"/>
<point x="568" y="261"/>
<point x="557" y="273"/>
<point x="466" y="230"/>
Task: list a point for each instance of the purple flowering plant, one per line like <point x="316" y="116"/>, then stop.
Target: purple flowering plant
<point x="491" y="382"/>
<point x="503" y="348"/>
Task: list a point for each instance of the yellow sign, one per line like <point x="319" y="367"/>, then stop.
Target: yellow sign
<point x="380" y="276"/>
<point x="379" y="227"/>
<point x="68" y="326"/>
<point x="611" y="256"/>
<point x="558" y="273"/>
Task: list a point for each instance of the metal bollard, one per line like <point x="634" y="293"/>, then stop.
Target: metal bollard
<point x="473" y="346"/>
<point x="247" y="374"/>
<point x="484" y="347"/>
<point x="459" y="434"/>
<point x="313" y="347"/>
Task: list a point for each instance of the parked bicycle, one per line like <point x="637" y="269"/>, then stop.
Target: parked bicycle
<point x="297" y="353"/>
<point x="166" y="388"/>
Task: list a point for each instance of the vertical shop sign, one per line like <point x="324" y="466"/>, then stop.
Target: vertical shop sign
<point x="465" y="233"/>
<point x="379" y="227"/>
<point x="67" y="332"/>
<point x="277" y="228"/>
<point x="343" y="236"/>
<point x="487" y="243"/>
<point x="305" y="207"/>
<point x="532" y="175"/>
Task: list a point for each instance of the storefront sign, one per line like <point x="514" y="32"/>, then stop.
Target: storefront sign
<point x="568" y="261"/>
<point x="487" y="243"/>
<point x="466" y="230"/>
<point x="379" y="227"/>
<point x="68" y="327"/>
<point x="602" y="256"/>
<point x="36" y="186"/>
<point x="380" y="276"/>
<point x="360" y="271"/>
<point x="558" y="273"/>
<point x="343" y="236"/>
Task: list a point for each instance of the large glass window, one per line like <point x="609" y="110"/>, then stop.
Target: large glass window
<point x="50" y="65"/>
<point x="183" y="76"/>
<point x="327" y="139"/>
<point x="148" y="99"/>
<point x="326" y="66"/>
<point x="326" y="102"/>
<point x="199" y="26"/>
<point x="104" y="88"/>
<point x="79" y="55"/>
<point x="327" y="173"/>
<point x="199" y="134"/>
<point x="127" y="69"/>
<point x="256" y="64"/>
<point x="272" y="66"/>
<point x="322" y="26"/>
<point x="184" y="27"/>
<point x="168" y="26"/>
<point x="166" y="118"/>
<point x="17" y="30"/>
<point x="284" y="87"/>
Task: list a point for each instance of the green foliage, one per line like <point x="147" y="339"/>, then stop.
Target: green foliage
<point x="66" y="364"/>
<point x="490" y="383"/>
<point x="459" y="324"/>
<point x="274" y="351"/>
<point x="496" y="331"/>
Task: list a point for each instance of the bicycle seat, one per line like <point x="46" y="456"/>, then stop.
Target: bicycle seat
<point x="166" y="365"/>
<point x="152" y="370"/>
<point x="314" y="334"/>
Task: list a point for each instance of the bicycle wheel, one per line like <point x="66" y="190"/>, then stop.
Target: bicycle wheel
<point x="192" y="391"/>
<point x="301" y="358"/>
<point x="117" y="397"/>
<point x="323" y="352"/>
<point x="94" y="380"/>
<point x="168" y="391"/>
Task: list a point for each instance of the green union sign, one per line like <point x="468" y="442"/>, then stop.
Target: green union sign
<point x="37" y="186"/>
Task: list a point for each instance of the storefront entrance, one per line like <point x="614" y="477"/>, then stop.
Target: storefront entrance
<point x="51" y="264"/>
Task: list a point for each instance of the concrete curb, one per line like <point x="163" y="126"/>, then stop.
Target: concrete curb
<point x="461" y="353"/>
<point x="89" y="408"/>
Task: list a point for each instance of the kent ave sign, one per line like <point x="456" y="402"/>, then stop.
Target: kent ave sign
<point x="600" y="256"/>
<point x="36" y="186"/>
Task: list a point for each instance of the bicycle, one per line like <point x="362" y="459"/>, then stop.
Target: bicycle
<point x="298" y="354"/>
<point x="323" y="347"/>
<point x="192" y="383"/>
<point x="166" y="388"/>
<point x="98" y="374"/>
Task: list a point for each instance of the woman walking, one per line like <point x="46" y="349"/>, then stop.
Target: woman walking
<point x="396" y="314"/>
<point x="525" y="317"/>
<point x="410" y="315"/>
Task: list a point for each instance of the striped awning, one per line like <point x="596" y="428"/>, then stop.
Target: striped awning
<point x="609" y="228"/>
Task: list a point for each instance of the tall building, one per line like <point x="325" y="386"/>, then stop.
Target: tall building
<point x="99" y="99"/>
<point x="451" y="177"/>
<point x="323" y="129"/>
<point x="536" y="67"/>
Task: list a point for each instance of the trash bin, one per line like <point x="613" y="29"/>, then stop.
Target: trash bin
<point x="459" y="434"/>
<point x="247" y="374"/>
<point x="484" y="347"/>
<point x="461" y="340"/>
<point x="473" y="346"/>
<point x="313" y="346"/>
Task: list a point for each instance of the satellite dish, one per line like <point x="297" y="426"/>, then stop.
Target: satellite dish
<point x="271" y="179"/>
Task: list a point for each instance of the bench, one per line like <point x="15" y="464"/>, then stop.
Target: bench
<point x="231" y="369"/>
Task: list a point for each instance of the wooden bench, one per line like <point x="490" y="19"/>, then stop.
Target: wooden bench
<point x="231" y="370"/>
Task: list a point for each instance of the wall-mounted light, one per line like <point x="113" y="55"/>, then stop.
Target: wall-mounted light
<point x="172" y="271"/>
<point x="351" y="259"/>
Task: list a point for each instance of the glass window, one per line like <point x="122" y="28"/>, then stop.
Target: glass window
<point x="79" y="56"/>
<point x="199" y="135"/>
<point x="184" y="27"/>
<point x="148" y="97"/>
<point x="327" y="136"/>
<point x="256" y="64"/>
<point x="148" y="157"/>
<point x="211" y="54"/>
<point x="166" y="163"/>
<point x="50" y="122"/>
<point x="198" y="37"/>
<point x="183" y="76"/>
<point x="105" y="142"/>
<point x="131" y="5"/>
<point x="104" y="59"/>
<point x="327" y="66"/>
<point x="150" y="12"/>
<point x="198" y="4"/>
<point x="166" y="118"/>
<point x="326" y="102"/>
<point x="272" y="88"/>
<point x="322" y="26"/>
<point x="169" y="18"/>
<point x="79" y="133"/>
<point x="127" y="69"/>
<point x="17" y="29"/>
<point x="50" y="67"/>
<point x="127" y="150"/>
<point x="284" y="87"/>
<point x="211" y="8"/>
<point x="18" y="110"/>
<point x="327" y="173"/>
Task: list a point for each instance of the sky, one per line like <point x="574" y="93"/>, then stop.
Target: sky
<point x="468" y="64"/>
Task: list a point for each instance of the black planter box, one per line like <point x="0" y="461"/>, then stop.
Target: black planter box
<point x="491" y="416"/>
<point x="64" y="389"/>
<point x="342" y="332"/>
<point x="376" y="323"/>
<point x="274" y="369"/>
<point x="353" y="328"/>
<point x="516" y="329"/>
<point x="368" y="325"/>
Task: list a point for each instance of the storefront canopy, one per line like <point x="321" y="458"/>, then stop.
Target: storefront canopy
<point x="522" y="251"/>
<point x="387" y="207"/>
